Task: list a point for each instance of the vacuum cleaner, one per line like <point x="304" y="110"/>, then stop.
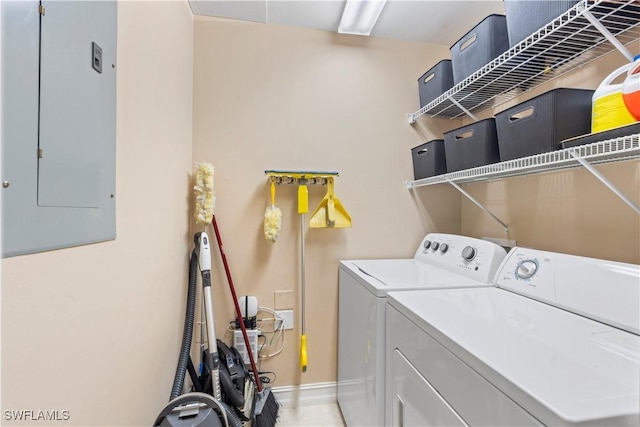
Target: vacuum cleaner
<point x="198" y="408"/>
<point x="224" y="394"/>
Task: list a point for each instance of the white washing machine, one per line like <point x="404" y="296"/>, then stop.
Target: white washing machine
<point x="555" y="343"/>
<point x="441" y="261"/>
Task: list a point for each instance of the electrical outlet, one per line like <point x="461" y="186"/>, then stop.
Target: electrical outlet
<point x="287" y="317"/>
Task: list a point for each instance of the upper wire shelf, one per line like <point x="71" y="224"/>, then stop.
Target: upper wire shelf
<point x="570" y="41"/>
<point x="612" y="150"/>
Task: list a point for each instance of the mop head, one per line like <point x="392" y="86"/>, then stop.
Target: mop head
<point x="272" y="223"/>
<point x="203" y="190"/>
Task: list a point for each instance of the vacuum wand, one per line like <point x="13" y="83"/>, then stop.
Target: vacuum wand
<point x="204" y="261"/>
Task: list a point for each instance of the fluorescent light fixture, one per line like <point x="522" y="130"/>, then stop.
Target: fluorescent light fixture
<point x="359" y="16"/>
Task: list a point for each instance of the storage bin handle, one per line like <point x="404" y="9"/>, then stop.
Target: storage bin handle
<point x="468" y="42"/>
<point x="524" y="113"/>
<point x="422" y="151"/>
<point x="463" y="135"/>
<point x="429" y="78"/>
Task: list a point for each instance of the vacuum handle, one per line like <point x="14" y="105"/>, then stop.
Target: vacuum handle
<point x="204" y="254"/>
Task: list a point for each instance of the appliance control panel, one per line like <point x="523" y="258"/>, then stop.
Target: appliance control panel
<point x="606" y="291"/>
<point x="530" y="272"/>
<point x="474" y="258"/>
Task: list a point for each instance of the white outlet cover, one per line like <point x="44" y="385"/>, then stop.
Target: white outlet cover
<point x="287" y="317"/>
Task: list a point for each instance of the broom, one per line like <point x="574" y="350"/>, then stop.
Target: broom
<point x="266" y="407"/>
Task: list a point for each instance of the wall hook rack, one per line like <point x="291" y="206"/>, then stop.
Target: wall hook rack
<point x="299" y="177"/>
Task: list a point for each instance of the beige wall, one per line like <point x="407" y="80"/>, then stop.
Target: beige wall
<point x="568" y="211"/>
<point x="269" y="97"/>
<point x="276" y="97"/>
<point x="95" y="330"/>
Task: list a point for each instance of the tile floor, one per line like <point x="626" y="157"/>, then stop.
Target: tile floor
<point x="328" y="415"/>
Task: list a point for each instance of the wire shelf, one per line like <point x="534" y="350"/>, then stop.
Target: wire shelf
<point x="612" y="150"/>
<point x="570" y="41"/>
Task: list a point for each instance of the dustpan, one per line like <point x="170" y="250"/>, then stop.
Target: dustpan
<point x="330" y="213"/>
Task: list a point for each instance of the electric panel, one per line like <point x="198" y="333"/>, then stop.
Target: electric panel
<point x="59" y="117"/>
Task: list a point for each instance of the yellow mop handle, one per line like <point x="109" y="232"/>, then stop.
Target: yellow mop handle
<point x="303" y="198"/>
<point x="303" y="353"/>
<point x="303" y="208"/>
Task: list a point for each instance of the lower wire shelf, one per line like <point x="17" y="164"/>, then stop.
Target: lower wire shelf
<point x="612" y="150"/>
<point x="609" y="151"/>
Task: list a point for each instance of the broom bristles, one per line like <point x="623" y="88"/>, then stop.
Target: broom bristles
<point x="267" y="409"/>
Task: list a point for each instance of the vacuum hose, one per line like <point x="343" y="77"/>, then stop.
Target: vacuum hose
<point x="187" y="335"/>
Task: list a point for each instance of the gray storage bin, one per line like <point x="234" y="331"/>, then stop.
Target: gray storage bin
<point x="472" y="145"/>
<point x="479" y="46"/>
<point x="429" y="159"/>
<point x="541" y="123"/>
<point x="435" y="82"/>
<point x="524" y="17"/>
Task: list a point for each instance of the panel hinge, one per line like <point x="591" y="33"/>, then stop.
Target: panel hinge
<point x="40" y="153"/>
<point x="41" y="9"/>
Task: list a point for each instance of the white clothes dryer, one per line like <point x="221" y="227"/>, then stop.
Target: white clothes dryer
<point x="555" y="343"/>
<point x="441" y="261"/>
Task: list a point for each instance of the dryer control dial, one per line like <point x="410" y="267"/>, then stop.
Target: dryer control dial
<point x="435" y="246"/>
<point x="444" y="247"/>
<point x="526" y="269"/>
<point x="427" y="244"/>
<point x="468" y="253"/>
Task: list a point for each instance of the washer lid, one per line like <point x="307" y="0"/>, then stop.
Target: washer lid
<point x="404" y="274"/>
<point x="561" y="367"/>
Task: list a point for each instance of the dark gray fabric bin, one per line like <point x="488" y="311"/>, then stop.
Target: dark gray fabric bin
<point x="541" y="123"/>
<point x="429" y="159"/>
<point x="479" y="46"/>
<point x="435" y="82"/>
<point x="472" y="145"/>
<point x="524" y="17"/>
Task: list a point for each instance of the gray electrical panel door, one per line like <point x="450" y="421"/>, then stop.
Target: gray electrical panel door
<point x="59" y="118"/>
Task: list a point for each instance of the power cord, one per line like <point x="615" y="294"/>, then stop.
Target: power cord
<point x="264" y="376"/>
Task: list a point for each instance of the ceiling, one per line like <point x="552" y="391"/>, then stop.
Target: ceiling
<point x="440" y="22"/>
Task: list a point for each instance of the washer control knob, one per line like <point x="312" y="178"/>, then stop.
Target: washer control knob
<point x="444" y="248"/>
<point x="435" y="245"/>
<point x="469" y="253"/>
<point x="526" y="269"/>
<point x="427" y="244"/>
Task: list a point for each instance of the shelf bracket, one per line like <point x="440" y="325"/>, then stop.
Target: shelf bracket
<point x="467" y="112"/>
<point x="605" y="181"/>
<point x="478" y="204"/>
<point x="607" y="34"/>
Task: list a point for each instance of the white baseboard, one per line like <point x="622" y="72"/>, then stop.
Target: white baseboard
<point x="306" y="394"/>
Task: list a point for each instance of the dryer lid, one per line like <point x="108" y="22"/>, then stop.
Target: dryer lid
<point x="561" y="367"/>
